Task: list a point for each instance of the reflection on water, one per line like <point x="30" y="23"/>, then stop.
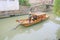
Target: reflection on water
<point x="58" y="18"/>
<point x="54" y="18"/>
<point x="45" y="30"/>
<point x="58" y="34"/>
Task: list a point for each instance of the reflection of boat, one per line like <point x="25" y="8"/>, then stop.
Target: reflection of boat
<point x="40" y="17"/>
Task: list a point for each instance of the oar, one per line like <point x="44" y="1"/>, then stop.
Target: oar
<point x="17" y="25"/>
<point x="10" y="29"/>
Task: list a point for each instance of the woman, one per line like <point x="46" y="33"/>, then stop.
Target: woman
<point x="34" y="17"/>
<point x="30" y="18"/>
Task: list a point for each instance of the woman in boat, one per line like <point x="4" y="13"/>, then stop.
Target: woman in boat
<point x="30" y="16"/>
<point x="34" y="17"/>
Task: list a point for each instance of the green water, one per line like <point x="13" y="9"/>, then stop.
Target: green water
<point x="46" y="30"/>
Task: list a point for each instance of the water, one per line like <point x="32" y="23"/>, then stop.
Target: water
<point x="46" y="30"/>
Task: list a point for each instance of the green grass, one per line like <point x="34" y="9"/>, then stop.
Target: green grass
<point x="24" y="2"/>
<point x="57" y="7"/>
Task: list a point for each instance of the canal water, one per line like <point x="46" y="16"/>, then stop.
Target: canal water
<point x="46" y="30"/>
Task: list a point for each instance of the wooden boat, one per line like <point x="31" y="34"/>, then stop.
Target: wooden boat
<point x="40" y="17"/>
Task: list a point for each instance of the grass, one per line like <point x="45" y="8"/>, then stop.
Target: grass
<point x="57" y="7"/>
<point x="24" y="2"/>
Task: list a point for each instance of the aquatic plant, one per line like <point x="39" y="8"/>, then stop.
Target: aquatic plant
<point x="57" y="7"/>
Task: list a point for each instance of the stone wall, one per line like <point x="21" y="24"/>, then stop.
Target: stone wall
<point x="22" y="10"/>
<point x="41" y="1"/>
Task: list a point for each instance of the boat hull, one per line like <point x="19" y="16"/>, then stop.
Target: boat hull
<point x="39" y="19"/>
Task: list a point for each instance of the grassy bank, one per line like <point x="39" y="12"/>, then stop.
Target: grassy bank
<point x="57" y="7"/>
